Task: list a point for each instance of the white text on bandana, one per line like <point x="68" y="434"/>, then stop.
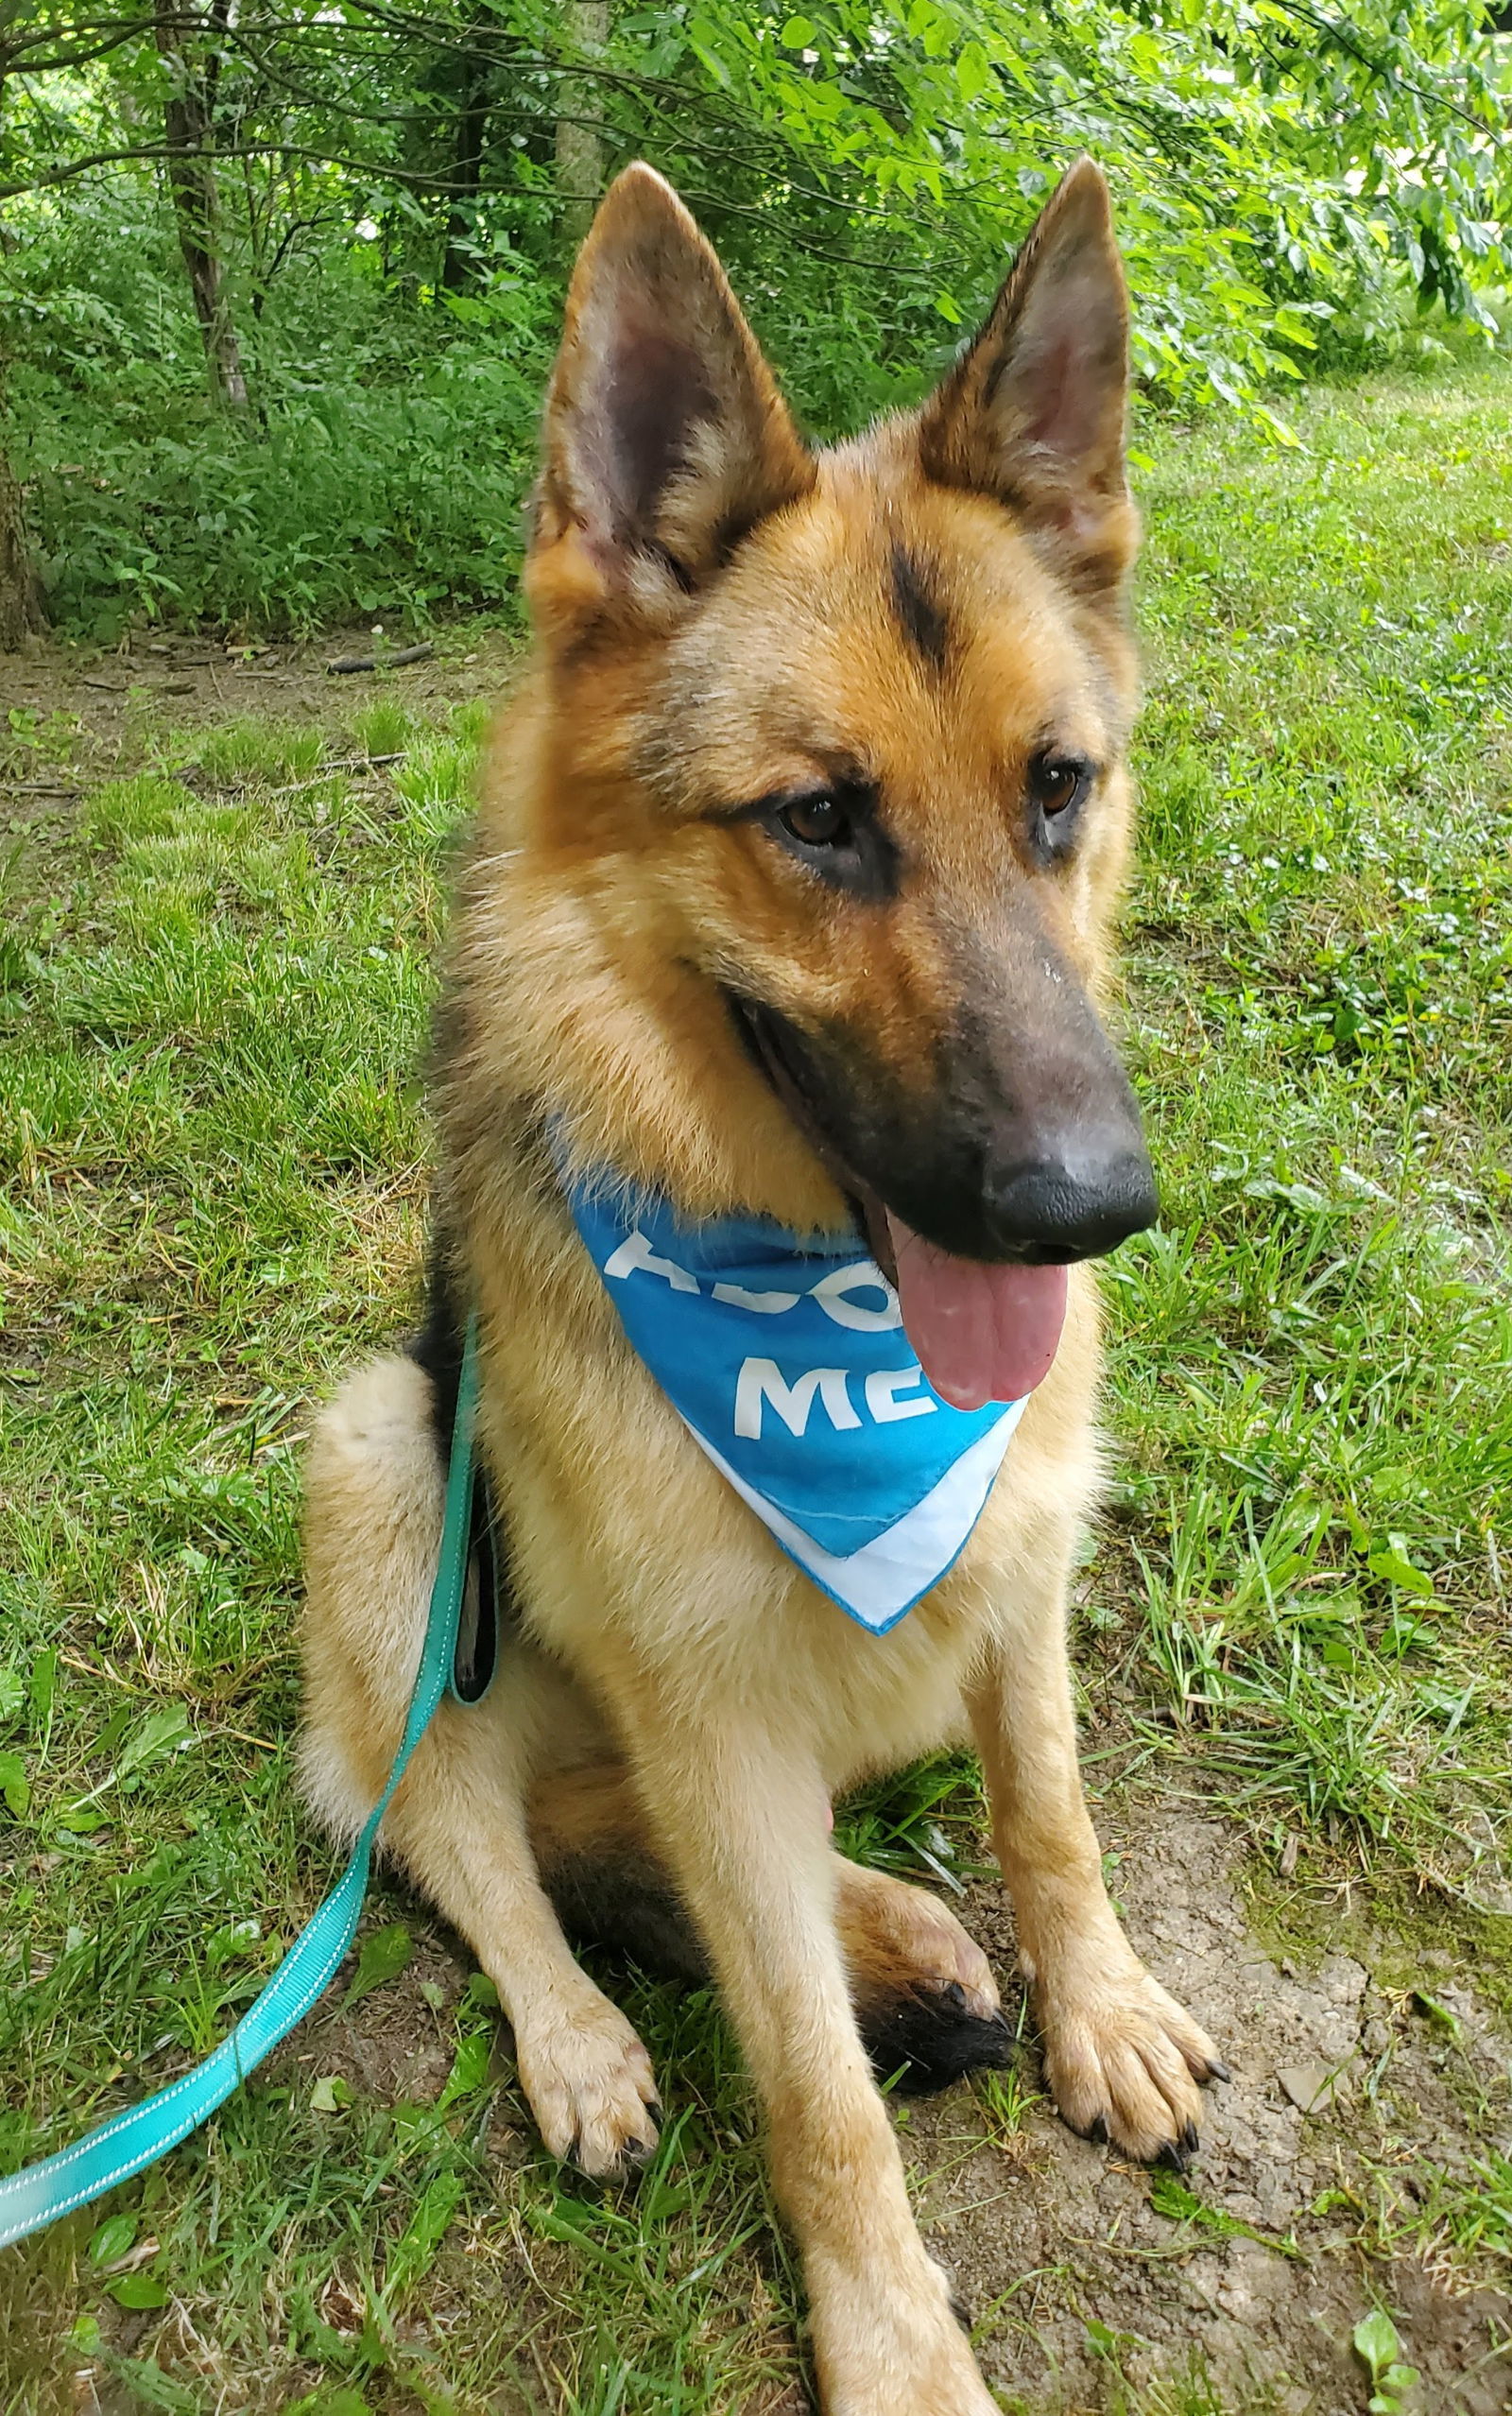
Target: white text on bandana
<point x="788" y="1361"/>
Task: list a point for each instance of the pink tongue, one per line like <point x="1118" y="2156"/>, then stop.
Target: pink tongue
<point x="981" y="1332"/>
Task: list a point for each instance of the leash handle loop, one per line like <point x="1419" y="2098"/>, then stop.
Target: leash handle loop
<point x="40" y="2194"/>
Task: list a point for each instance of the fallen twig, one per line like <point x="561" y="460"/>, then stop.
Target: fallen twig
<point x="384" y="661"/>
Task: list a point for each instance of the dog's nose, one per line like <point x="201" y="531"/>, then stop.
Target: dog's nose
<point x="1077" y="1199"/>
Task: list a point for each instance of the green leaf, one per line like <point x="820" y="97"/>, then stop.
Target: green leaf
<point x="948" y="307"/>
<point x="1376" y="2341"/>
<point x="798" y="32"/>
<point x="470" y="2070"/>
<point x="112" y="2240"/>
<point x="383" y="1958"/>
<point x="1440" y="2015"/>
<point x="1395" y="1567"/>
<point x="973" y="76"/>
<point x="12" y="1694"/>
<point x="138" y="2290"/>
<point x="703" y="35"/>
<point x="330" y="2094"/>
<point x="43" y="1683"/>
<point x="415" y="2250"/>
<point x="161" y="1732"/>
<point x="14" y="1785"/>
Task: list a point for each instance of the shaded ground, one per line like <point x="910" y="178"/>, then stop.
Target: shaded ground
<point x="186" y="681"/>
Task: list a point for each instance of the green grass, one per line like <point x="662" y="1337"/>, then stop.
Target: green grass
<point x="215" y="985"/>
<point x="1314" y="1357"/>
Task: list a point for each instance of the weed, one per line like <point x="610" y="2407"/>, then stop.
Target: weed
<point x="30" y="737"/>
<point x="384" y="727"/>
<point x="1007" y="2101"/>
<point x="145" y="806"/>
<point x="240" y="753"/>
<point x="1179" y="2203"/>
<point x="1378" y="2347"/>
<point x="1465" y="2218"/>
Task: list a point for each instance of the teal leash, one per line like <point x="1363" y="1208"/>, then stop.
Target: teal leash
<point x="40" y="2194"/>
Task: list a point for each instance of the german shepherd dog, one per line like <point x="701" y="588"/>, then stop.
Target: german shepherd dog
<point x="790" y="898"/>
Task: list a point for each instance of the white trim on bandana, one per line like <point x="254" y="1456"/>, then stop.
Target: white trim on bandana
<point x="880" y="1584"/>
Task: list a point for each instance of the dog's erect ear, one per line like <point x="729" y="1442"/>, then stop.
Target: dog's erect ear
<point x="1033" y="411"/>
<point x="665" y="438"/>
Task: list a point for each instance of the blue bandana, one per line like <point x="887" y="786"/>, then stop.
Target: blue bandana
<point x="789" y="1362"/>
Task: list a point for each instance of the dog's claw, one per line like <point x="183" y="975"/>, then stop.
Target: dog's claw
<point x="1172" y="2156"/>
<point x="1216" y="2071"/>
<point x="1190" y="2140"/>
<point x="1097" y="2130"/>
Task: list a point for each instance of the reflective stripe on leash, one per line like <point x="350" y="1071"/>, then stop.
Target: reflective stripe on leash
<point x="40" y="2194"/>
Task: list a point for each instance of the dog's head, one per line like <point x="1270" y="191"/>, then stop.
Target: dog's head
<point x="837" y="739"/>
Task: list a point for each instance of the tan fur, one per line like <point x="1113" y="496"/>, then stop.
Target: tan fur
<point x="676" y="1681"/>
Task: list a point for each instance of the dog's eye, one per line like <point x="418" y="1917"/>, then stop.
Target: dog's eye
<point x="836" y="834"/>
<point x="820" y="821"/>
<point x="1057" y="783"/>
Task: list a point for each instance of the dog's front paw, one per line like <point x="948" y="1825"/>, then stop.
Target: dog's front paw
<point x="591" y="2087"/>
<point x="1123" y="2062"/>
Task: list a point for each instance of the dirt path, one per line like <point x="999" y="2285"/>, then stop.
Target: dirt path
<point x="185" y="680"/>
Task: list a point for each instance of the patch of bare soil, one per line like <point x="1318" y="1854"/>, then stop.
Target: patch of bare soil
<point x="120" y="696"/>
<point x="188" y="680"/>
<point x="1335" y="2082"/>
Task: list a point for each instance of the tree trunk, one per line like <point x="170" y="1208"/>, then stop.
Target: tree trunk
<point x="188" y="126"/>
<point x="473" y="103"/>
<point x="21" y="604"/>
<point x="579" y="144"/>
<point x="21" y="609"/>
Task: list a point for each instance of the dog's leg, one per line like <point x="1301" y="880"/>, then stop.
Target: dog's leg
<point x="1123" y="2060"/>
<point x="739" y="1816"/>
<point x="457" y="1822"/>
<point x="922" y="1990"/>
